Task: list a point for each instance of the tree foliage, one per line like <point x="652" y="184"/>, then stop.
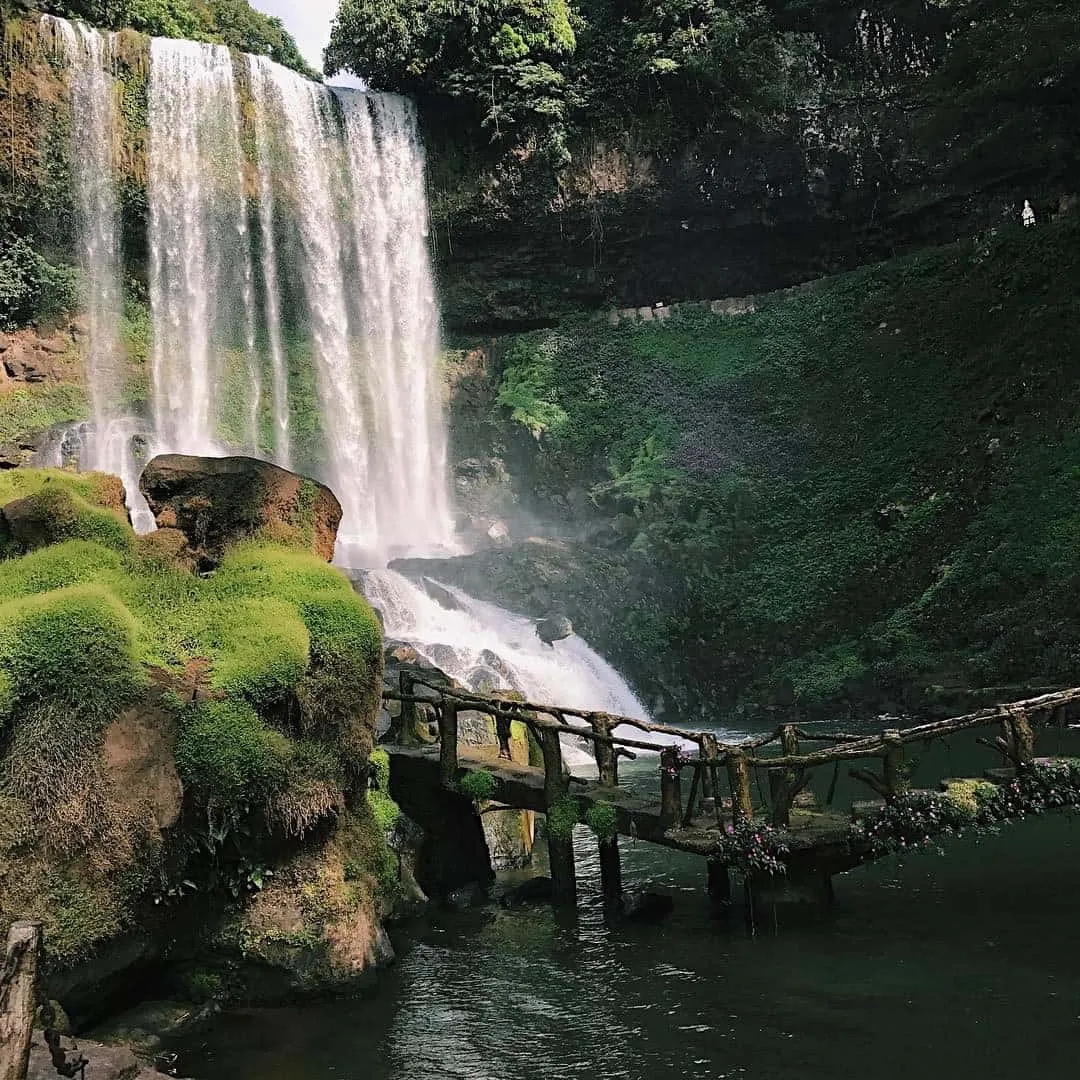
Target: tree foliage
<point x="227" y="22"/>
<point x="530" y="70"/>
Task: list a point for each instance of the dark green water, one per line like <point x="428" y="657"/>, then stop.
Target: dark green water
<point x="954" y="966"/>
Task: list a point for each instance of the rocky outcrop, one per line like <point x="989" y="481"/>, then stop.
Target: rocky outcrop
<point x="314" y="928"/>
<point x="215" y="502"/>
<point x="40" y="355"/>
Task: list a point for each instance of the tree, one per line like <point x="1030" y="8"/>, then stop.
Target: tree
<point x="507" y="59"/>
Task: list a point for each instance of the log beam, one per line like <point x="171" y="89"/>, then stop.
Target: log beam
<point x="18" y="998"/>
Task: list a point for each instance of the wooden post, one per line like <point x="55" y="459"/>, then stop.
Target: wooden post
<point x="718" y="884"/>
<point x="610" y="869"/>
<point x="893" y="774"/>
<point x="18" y="998"/>
<point x="1021" y="739"/>
<point x="695" y="786"/>
<point x="607" y="761"/>
<point x="670" y="787"/>
<point x="410" y="710"/>
<point x="784" y="783"/>
<point x="560" y="848"/>
<point x="738" y="770"/>
<point x="448" y="730"/>
<point x="709" y="752"/>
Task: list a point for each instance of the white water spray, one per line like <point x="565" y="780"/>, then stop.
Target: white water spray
<point x="200" y="260"/>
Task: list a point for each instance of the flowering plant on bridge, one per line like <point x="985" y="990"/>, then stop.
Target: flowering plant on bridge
<point x="917" y="818"/>
<point x="752" y="847"/>
<point x="913" y="819"/>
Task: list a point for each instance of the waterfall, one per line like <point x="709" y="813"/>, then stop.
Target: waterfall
<point x="294" y="317"/>
<point x="107" y="445"/>
<point x="202" y="302"/>
<point x="346" y="169"/>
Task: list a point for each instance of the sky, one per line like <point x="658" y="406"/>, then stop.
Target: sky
<point x="307" y="20"/>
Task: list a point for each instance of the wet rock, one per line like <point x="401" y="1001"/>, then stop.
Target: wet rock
<point x="482" y="680"/>
<point x="145" y="1027"/>
<point x="218" y="501"/>
<point x="553" y="628"/>
<point x="532" y="891"/>
<point x="468" y="896"/>
<point x="104" y="1062"/>
<point x="646" y="905"/>
<point x="440" y="594"/>
<point x="498" y="532"/>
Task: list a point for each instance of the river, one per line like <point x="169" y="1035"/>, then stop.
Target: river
<point x="959" y="965"/>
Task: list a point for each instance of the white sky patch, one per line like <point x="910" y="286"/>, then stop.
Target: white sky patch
<point x="309" y="22"/>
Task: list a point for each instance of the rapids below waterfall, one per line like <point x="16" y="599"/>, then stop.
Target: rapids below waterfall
<point x="486" y="647"/>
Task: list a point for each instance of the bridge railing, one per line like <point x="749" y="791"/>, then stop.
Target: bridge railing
<point x="789" y="769"/>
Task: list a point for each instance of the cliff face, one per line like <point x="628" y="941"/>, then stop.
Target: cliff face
<point x="883" y="143"/>
<point x="856" y="498"/>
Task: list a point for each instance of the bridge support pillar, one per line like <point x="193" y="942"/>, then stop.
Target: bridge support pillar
<point x="610" y="869"/>
<point x="560" y="837"/>
<point x="718" y="884"/>
<point x="448" y="734"/>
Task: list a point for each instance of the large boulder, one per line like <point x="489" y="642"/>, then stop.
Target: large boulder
<point x="215" y="502"/>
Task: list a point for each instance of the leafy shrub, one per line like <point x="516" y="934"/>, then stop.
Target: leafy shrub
<point x="752" y="847"/>
<point x="31" y="288"/>
<point x="478" y="786"/>
<point x="920" y="817"/>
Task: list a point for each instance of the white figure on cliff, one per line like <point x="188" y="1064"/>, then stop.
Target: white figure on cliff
<point x="1027" y="215"/>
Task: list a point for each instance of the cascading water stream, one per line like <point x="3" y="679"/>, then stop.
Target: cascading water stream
<point x="201" y="292"/>
<point x="107" y="443"/>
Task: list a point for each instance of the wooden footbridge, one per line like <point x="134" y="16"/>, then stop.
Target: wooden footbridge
<point x="719" y="793"/>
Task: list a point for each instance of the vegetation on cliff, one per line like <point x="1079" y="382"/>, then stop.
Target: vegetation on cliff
<point x="855" y="495"/>
<point x="266" y="673"/>
<point x="235" y="23"/>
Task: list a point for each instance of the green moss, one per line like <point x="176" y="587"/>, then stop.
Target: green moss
<point x="54" y="514"/>
<point x="74" y="562"/>
<point x="31" y="409"/>
<point x="603" y="820"/>
<point x="228" y="757"/>
<point x="478" y="786"/>
<point x="383" y="809"/>
<point x="77" y="646"/>
<point x="262" y="647"/>
<point x="98" y="489"/>
<point x="562" y="816"/>
<point x="78" y="917"/>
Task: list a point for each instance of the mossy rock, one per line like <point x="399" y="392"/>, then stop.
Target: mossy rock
<point x="216" y="502"/>
<point x="57" y="506"/>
